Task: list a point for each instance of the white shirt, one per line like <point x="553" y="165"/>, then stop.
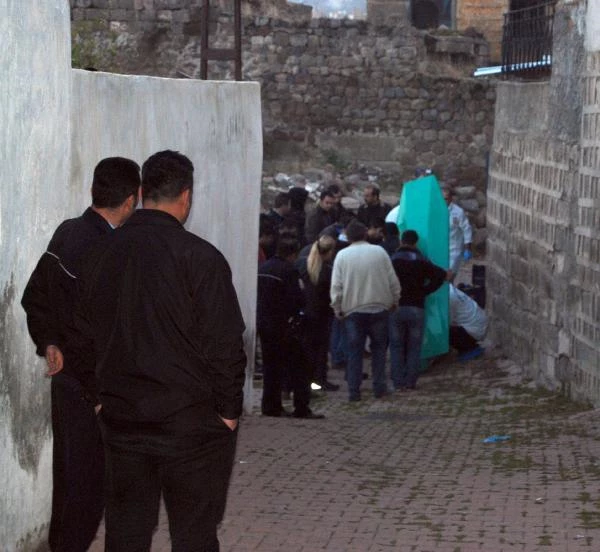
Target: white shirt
<point x="459" y="234"/>
<point x="392" y="216"/>
<point x="465" y="312"/>
<point x="363" y="280"/>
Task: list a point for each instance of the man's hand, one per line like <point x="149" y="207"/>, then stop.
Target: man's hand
<point x="339" y="315"/>
<point x="97" y="409"/>
<point x="449" y="276"/>
<point x="54" y="360"/>
<point x="231" y="424"/>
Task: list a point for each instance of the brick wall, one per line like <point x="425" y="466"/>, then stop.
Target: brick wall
<point x="486" y="17"/>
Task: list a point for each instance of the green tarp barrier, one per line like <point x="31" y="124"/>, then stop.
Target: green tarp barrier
<point x="423" y="209"/>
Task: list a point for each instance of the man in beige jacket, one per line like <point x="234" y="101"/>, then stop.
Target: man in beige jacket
<point x="364" y="289"/>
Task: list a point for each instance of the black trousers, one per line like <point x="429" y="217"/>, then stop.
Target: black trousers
<point x="77" y="468"/>
<point x="191" y="468"/>
<point x="461" y="340"/>
<point x="280" y="353"/>
<point x="316" y="346"/>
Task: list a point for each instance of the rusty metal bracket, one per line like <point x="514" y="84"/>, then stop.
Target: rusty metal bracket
<point x="221" y="54"/>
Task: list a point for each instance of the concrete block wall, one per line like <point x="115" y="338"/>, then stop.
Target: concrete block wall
<point x="529" y="195"/>
<point x="585" y="341"/>
<point x="544" y="213"/>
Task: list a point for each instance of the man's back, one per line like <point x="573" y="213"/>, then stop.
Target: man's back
<point x="166" y="323"/>
<point x="51" y="292"/>
<point x="363" y="277"/>
<point x="418" y="276"/>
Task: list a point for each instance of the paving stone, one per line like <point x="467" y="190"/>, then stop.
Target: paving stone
<point x="412" y="474"/>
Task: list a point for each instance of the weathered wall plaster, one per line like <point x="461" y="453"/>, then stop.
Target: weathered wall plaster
<point x="56" y="124"/>
<point x="35" y="153"/>
<point x="216" y="124"/>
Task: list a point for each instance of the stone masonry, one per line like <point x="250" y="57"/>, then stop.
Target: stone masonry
<point x="386" y="95"/>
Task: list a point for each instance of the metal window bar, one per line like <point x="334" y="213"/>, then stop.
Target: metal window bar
<point x="527" y="40"/>
<point x="221" y="54"/>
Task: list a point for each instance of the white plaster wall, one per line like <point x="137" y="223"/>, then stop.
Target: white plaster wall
<point x="56" y="124"/>
<point x="592" y="26"/>
<point x="34" y="170"/>
<point x="216" y="124"/>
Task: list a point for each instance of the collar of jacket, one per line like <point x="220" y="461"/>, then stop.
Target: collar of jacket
<point x="96" y="220"/>
<point x="153" y="216"/>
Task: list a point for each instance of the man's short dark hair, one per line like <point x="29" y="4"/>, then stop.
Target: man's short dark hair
<point x="287" y="246"/>
<point x="374" y="188"/>
<point x="281" y="199"/>
<point x="346" y="217"/>
<point x="115" y="179"/>
<point x="391" y="229"/>
<point x="356" y="231"/>
<point x="334" y="189"/>
<point x="326" y="193"/>
<point x="266" y="227"/>
<point x="166" y="175"/>
<point x="410" y="237"/>
<point x="377" y="222"/>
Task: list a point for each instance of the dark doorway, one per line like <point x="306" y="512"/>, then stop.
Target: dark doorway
<point x="430" y="14"/>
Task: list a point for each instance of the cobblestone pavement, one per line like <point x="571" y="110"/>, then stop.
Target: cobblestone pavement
<point x="410" y="472"/>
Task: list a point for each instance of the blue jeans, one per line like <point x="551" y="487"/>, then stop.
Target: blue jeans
<point x="407" y="325"/>
<point x="358" y="326"/>
<point x="338" y="342"/>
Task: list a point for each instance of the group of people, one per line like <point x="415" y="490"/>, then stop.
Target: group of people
<point x="141" y="331"/>
<point x="330" y="279"/>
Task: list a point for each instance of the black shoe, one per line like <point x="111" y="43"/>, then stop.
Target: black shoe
<point x="308" y="415"/>
<point x="283" y="413"/>
<point x="354" y="398"/>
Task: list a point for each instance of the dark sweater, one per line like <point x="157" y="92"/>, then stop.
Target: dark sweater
<point x="418" y="276"/>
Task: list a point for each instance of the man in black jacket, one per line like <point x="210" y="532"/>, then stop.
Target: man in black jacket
<point x="321" y="216"/>
<point x="418" y="278"/>
<point x="49" y="300"/>
<point x="373" y="208"/>
<point x="160" y="308"/>
<point x="280" y="300"/>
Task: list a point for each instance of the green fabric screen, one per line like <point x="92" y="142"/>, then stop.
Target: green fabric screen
<point x="423" y="209"/>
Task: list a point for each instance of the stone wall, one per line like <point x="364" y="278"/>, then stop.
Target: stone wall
<point x="543" y="216"/>
<point x="382" y="95"/>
